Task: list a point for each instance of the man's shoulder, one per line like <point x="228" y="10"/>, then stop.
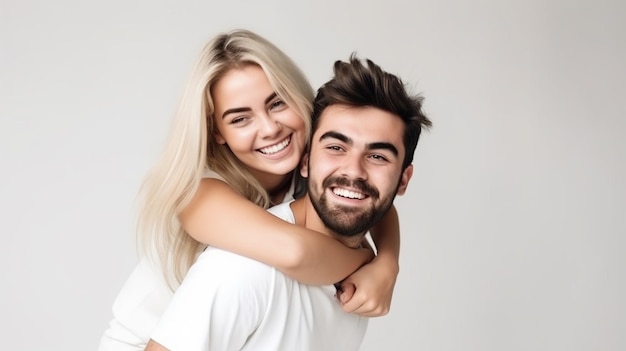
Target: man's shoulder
<point x="229" y="277"/>
<point x="226" y="262"/>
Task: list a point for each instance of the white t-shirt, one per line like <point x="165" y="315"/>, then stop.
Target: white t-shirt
<point x="230" y="302"/>
<point x="140" y="303"/>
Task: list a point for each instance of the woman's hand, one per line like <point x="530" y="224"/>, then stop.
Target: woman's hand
<point x="368" y="291"/>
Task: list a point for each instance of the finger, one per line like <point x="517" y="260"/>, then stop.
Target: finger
<point x="370" y="310"/>
<point x="351" y="306"/>
<point x="346" y="293"/>
<point x="354" y="303"/>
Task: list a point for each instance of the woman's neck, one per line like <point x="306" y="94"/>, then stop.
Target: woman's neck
<point x="276" y="186"/>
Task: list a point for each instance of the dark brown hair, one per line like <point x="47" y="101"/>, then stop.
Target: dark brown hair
<point x="359" y="85"/>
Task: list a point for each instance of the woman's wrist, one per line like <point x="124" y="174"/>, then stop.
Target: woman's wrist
<point x="389" y="261"/>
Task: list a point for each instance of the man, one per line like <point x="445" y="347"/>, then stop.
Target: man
<point x="365" y="130"/>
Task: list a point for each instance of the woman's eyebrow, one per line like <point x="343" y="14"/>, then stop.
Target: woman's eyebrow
<point x="269" y="98"/>
<point x="235" y="110"/>
<point x="245" y="109"/>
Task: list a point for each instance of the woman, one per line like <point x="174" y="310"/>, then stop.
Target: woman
<point x="237" y="138"/>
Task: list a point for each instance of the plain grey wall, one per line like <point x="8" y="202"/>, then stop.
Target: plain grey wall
<point x="513" y="227"/>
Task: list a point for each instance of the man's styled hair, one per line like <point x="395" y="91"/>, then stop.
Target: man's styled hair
<point x="357" y="84"/>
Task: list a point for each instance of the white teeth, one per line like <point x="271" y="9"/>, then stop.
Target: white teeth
<point x="275" y="148"/>
<point x="347" y="193"/>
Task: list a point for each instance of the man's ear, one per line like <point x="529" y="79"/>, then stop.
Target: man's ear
<point x="304" y="165"/>
<point x="404" y="179"/>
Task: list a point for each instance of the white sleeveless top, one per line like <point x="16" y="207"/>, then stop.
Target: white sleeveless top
<point x="142" y="300"/>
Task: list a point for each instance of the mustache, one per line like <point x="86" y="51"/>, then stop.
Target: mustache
<point x="358" y="184"/>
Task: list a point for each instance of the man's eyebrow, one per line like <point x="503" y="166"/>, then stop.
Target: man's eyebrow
<point x="383" y="145"/>
<point x="245" y="109"/>
<point x="371" y="146"/>
<point x="336" y="135"/>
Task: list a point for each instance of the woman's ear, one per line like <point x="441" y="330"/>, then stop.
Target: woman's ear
<point x="219" y="138"/>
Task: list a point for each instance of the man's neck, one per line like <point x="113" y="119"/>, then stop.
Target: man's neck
<point x="306" y="216"/>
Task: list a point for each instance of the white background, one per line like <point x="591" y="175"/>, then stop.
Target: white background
<point x="514" y="224"/>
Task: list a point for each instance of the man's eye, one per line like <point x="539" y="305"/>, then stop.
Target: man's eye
<point x="334" y="148"/>
<point x="378" y="157"/>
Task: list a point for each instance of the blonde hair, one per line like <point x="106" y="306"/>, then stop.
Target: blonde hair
<point x="192" y="147"/>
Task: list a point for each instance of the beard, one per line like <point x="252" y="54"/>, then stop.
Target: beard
<point x="348" y="220"/>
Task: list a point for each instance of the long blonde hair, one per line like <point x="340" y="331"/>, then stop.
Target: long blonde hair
<point x="192" y="147"/>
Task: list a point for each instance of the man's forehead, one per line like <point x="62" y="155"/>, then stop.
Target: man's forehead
<point x="367" y="124"/>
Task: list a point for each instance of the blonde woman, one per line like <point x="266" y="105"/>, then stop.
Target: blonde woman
<point x="240" y="132"/>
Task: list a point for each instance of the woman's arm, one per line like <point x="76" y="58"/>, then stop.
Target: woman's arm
<point x="369" y="290"/>
<point x="386" y="236"/>
<point x="221" y="217"/>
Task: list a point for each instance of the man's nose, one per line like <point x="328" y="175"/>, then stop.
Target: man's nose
<point x="353" y="167"/>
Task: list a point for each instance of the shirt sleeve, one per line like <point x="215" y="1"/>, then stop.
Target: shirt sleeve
<point x="220" y="303"/>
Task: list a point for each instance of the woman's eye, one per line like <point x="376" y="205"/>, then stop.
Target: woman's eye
<point x="277" y="104"/>
<point x="237" y="120"/>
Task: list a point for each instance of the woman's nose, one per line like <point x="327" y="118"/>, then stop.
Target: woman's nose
<point x="270" y="127"/>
